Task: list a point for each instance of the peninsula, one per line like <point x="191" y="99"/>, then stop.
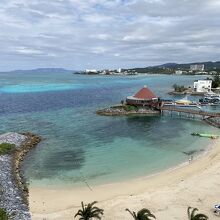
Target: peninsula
<point x="13" y="186"/>
<point x="144" y="102"/>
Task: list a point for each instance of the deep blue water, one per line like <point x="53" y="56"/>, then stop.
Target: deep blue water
<point x="78" y="144"/>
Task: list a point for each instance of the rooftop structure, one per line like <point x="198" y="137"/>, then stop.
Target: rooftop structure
<point x="144" y="97"/>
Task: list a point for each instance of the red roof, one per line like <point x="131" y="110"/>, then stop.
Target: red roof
<point x="145" y="93"/>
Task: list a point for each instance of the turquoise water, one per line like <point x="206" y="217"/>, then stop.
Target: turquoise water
<point x="38" y="88"/>
<point x="78" y="144"/>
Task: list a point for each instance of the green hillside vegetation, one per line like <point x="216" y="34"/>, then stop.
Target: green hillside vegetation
<point x="154" y="70"/>
<point x="216" y="80"/>
<point x="170" y="68"/>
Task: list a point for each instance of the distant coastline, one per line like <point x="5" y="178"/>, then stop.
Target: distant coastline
<point x="167" y="68"/>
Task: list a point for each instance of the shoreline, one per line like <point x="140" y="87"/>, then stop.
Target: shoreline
<point x="13" y="186"/>
<point x="196" y="156"/>
<point x="60" y="203"/>
<point x="17" y="159"/>
<point x="120" y="110"/>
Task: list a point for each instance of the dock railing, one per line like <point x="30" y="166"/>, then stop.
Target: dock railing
<point x="190" y="111"/>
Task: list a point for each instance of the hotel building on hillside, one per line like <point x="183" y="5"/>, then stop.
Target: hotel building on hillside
<point x="197" y="67"/>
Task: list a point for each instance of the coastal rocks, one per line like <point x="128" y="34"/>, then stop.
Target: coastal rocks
<point x="31" y="141"/>
<point x="13" y="188"/>
<point x="12" y="138"/>
<point x="121" y="110"/>
<point x="214" y="121"/>
<point x="10" y="197"/>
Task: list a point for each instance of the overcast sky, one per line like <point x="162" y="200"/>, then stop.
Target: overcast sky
<point x="79" y="34"/>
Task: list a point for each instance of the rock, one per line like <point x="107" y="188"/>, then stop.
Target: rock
<point x="12" y="138"/>
<point x="13" y="188"/>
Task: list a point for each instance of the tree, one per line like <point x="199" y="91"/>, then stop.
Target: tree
<point x="179" y="88"/>
<point x="3" y="215"/>
<point x="216" y="80"/>
<point x="89" y="211"/>
<point x="143" y="214"/>
<point x="175" y="86"/>
<point x="193" y="216"/>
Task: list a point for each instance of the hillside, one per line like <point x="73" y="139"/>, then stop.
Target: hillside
<point x="169" y="68"/>
<point x="43" y="70"/>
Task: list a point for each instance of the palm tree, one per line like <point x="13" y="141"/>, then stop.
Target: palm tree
<point x="193" y="216"/>
<point x="143" y="214"/>
<point x="89" y="211"/>
<point x="3" y="215"/>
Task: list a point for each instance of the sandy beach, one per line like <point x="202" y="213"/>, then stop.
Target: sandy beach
<point x="167" y="194"/>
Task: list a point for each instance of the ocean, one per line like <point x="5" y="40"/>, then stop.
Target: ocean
<point x="77" y="144"/>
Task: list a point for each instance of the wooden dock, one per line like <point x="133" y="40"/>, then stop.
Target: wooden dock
<point x="204" y="114"/>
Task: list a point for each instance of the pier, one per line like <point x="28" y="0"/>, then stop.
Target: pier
<point x="212" y="118"/>
<point x="189" y="111"/>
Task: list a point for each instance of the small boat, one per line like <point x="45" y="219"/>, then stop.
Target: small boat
<point x="211" y="102"/>
<point x="212" y="95"/>
<point x="212" y="136"/>
<point x="185" y="103"/>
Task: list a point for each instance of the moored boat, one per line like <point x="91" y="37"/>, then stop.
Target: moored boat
<point x="182" y="103"/>
<point x="212" y="95"/>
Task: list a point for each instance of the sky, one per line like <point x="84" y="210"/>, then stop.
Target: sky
<point x="98" y="34"/>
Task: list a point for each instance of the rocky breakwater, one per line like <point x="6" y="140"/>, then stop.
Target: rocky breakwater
<point x="13" y="187"/>
<point x="128" y="110"/>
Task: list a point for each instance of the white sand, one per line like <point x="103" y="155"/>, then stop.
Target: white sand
<point x="167" y="194"/>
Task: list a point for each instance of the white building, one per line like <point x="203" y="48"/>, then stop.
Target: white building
<point x="91" y="71"/>
<point x="179" y="72"/>
<point x="197" y="67"/>
<point x="202" y="85"/>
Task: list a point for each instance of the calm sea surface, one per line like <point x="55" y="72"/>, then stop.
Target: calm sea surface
<point x="78" y="144"/>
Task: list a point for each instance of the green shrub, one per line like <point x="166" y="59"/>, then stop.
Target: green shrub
<point x="3" y="215"/>
<point x="179" y="88"/>
<point x="129" y="108"/>
<point x="6" y="148"/>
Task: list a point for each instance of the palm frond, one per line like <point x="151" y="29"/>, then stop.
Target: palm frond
<point x="200" y="217"/>
<point x="193" y="216"/>
<point x="145" y="213"/>
<point x="193" y="212"/>
<point x="89" y="211"/>
<point x="189" y="212"/>
<point x="133" y="214"/>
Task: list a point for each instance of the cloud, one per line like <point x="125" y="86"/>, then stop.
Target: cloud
<point x="23" y="50"/>
<point x="107" y="33"/>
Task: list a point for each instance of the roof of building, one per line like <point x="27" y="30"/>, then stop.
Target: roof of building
<point x="145" y="93"/>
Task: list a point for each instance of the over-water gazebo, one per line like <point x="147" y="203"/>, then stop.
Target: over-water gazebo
<point x="144" y="97"/>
